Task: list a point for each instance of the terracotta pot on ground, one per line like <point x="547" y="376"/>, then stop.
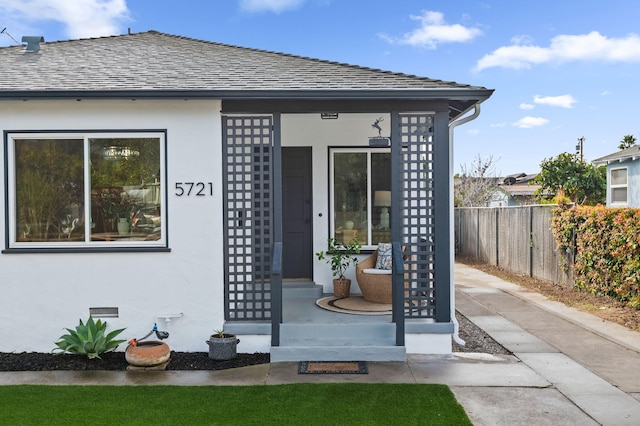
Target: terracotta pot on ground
<point x="341" y="287"/>
<point x="150" y="354"/>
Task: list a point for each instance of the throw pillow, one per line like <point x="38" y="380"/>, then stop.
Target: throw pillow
<point x="384" y="256"/>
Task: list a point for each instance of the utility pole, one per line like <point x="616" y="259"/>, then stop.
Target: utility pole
<point x="580" y="148"/>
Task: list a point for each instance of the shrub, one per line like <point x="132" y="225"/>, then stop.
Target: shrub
<point x="88" y="339"/>
<point x="606" y="244"/>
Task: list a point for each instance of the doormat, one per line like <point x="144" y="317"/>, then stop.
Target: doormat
<point x="333" y="367"/>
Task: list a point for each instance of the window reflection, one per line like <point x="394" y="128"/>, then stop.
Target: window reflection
<point x="125" y="188"/>
<point x="62" y="198"/>
<point x="49" y="190"/>
<point x="361" y="196"/>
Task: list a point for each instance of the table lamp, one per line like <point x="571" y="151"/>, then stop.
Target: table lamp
<point x="383" y="199"/>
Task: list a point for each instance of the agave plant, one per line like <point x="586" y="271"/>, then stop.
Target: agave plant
<point x="88" y="339"/>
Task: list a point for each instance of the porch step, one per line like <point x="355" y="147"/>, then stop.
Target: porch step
<point x="301" y="289"/>
<point x="336" y="342"/>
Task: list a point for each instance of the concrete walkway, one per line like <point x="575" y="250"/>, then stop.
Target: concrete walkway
<point x="568" y="368"/>
<point x="592" y="367"/>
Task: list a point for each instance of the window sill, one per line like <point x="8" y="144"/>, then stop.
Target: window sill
<point x="87" y="250"/>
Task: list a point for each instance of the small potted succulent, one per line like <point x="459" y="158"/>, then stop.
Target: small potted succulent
<point x="222" y="346"/>
<point x="340" y="256"/>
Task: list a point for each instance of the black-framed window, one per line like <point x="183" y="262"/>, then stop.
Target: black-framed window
<point x="360" y="195"/>
<point x="85" y="189"/>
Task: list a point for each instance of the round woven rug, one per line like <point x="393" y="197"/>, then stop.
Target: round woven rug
<point x="355" y="305"/>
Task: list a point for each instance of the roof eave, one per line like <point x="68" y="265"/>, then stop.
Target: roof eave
<point x="604" y="162"/>
<point x="454" y="94"/>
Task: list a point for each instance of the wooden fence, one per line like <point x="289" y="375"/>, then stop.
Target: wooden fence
<point x="518" y="239"/>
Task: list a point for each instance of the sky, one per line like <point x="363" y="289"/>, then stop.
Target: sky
<point x="561" y="70"/>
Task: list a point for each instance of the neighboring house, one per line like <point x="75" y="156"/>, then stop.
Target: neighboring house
<point x="516" y="190"/>
<point x="155" y="178"/>
<point x="623" y="177"/>
<point x="512" y="190"/>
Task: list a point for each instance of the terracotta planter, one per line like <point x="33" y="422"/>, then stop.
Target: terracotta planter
<point x="151" y="353"/>
<point x="341" y="287"/>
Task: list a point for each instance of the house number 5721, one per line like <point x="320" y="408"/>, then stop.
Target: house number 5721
<point x="197" y="189"/>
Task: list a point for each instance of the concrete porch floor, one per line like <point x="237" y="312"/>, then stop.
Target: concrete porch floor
<point x="305" y="311"/>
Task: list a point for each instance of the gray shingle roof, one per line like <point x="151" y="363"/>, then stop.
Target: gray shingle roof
<point x="154" y="62"/>
<point x="631" y="153"/>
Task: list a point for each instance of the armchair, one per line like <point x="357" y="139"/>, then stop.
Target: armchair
<point x="375" y="284"/>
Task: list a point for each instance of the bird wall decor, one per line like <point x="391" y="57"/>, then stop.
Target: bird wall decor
<point x="376" y="125"/>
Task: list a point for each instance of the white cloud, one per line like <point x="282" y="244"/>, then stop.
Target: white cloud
<point x="530" y="122"/>
<point x="473" y="131"/>
<point x="433" y="31"/>
<point x="81" y="18"/>
<point x="527" y="106"/>
<point x="564" y="101"/>
<point x="606" y="93"/>
<point x="521" y="39"/>
<point x="498" y="125"/>
<point x="276" y="6"/>
<point x="564" y="48"/>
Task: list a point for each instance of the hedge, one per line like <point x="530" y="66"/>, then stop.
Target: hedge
<point x="606" y="245"/>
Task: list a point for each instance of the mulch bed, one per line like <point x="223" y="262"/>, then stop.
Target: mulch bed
<point x="114" y="361"/>
<point x="476" y="341"/>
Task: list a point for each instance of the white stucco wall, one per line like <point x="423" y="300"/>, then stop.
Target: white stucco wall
<point x="44" y="293"/>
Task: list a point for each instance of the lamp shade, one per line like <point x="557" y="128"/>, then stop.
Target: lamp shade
<point x="382" y="199"/>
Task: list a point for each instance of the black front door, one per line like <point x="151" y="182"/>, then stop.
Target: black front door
<point x="297" y="250"/>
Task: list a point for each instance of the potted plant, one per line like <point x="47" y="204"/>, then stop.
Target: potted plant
<point x="342" y="255"/>
<point x="118" y="206"/>
<point x="222" y="346"/>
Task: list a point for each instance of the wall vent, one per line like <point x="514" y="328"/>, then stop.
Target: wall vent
<point x="103" y="312"/>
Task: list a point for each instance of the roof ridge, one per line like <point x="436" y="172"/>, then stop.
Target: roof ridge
<point x="290" y="55"/>
<point x="257" y="50"/>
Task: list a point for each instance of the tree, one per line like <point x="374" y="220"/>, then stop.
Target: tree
<point x="627" y="142"/>
<point x="582" y="182"/>
<point x="477" y="184"/>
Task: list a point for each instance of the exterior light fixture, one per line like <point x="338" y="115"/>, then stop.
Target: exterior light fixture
<point x="379" y="142"/>
<point x="329" y="115"/>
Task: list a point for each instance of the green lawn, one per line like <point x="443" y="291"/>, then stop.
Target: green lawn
<point x="295" y="404"/>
